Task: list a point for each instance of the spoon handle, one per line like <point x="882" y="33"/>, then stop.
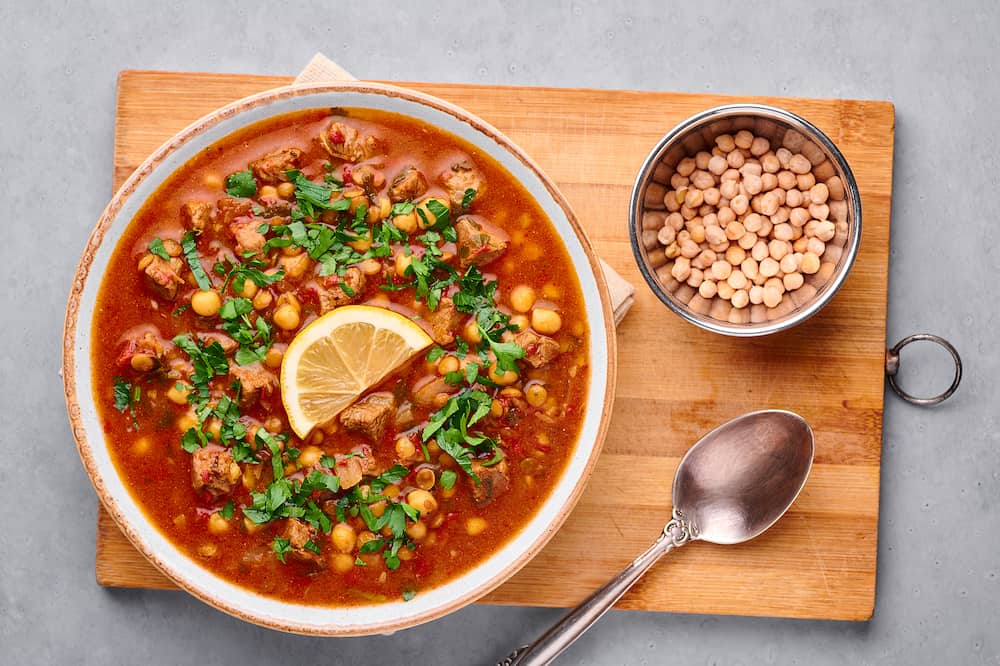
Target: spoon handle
<point x="577" y="621"/>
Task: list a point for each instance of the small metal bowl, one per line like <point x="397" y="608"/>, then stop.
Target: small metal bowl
<point x="781" y="128"/>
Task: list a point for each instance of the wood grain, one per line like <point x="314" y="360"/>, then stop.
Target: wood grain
<point x="675" y="381"/>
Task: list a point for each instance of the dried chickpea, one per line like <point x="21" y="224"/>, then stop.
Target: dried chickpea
<point x="792" y="281"/>
<point x="783" y="232"/>
<point x="721" y="270"/>
<point x="696" y="277"/>
<point x="735" y="255"/>
<point x="819" y="193"/>
<point x="799" y="164"/>
<point x="740" y="298"/>
<point x="737" y="280"/>
<point x="769" y="181"/>
<point x="681" y="270"/>
<point x="725" y="142"/>
<point x="771" y="297"/>
<point x="819" y="211"/>
<point x="786" y="180"/>
<point x="740" y="203"/>
<point x="707" y="289"/>
<point x="724" y="290"/>
<point x="743" y="139"/>
<point x="768" y="267"/>
<point x="686" y="167"/>
<point x="756" y="294"/>
<point x="717" y="165"/>
<point x="712" y="196"/>
<point x="777" y="249"/>
<point x="749" y="266"/>
<point x="735" y="159"/>
<point x="753" y="184"/>
<point x="788" y="264"/>
<point x="810" y="263"/>
<point x="747" y="241"/>
<point x="760" y="250"/>
<point x="735" y="230"/>
<point x="759" y="146"/>
<point x="814" y="245"/>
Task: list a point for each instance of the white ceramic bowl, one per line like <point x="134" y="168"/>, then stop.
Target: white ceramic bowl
<point x="190" y="575"/>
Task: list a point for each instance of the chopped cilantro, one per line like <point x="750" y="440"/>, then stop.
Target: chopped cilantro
<point x="228" y="510"/>
<point x="208" y="361"/>
<point x="435" y="353"/>
<point x="126" y="398"/>
<point x="448" y="478"/>
<point x="190" y="249"/>
<point x="156" y="247"/>
<point x="402" y="208"/>
<point x="468" y="197"/>
<point x="442" y="216"/>
<point x="409" y="594"/>
<point x="281" y="547"/>
<point x="241" y="184"/>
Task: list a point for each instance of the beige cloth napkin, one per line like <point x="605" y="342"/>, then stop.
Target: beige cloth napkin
<point x="323" y="70"/>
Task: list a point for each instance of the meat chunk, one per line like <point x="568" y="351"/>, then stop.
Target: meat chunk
<point x="231" y="209"/>
<point x="300" y="533"/>
<point x="478" y="244"/>
<point x="460" y="177"/>
<point x="163" y="276"/>
<point x="351" y="469"/>
<point x="196" y="215"/>
<point x="346" y="143"/>
<point x="538" y="349"/>
<point x="340" y="290"/>
<point x="370" y="415"/>
<point x="493" y="481"/>
<point x="444" y="322"/>
<point x="227" y="343"/>
<point x="143" y="351"/>
<point x="271" y="168"/>
<point x="408" y="185"/>
<point x="214" y="471"/>
<point x="248" y="239"/>
<point x="255" y="381"/>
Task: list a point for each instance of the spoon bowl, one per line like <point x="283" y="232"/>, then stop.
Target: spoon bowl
<point x="730" y="487"/>
<point x="740" y="478"/>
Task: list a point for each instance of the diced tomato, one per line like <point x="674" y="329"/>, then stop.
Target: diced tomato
<point x="346" y="173"/>
<point x="336" y="136"/>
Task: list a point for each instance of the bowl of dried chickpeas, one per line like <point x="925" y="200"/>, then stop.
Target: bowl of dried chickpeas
<point x="745" y="219"/>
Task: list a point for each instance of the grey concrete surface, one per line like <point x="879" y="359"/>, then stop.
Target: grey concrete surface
<point x="938" y="598"/>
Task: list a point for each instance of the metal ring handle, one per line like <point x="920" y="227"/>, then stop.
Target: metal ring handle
<point x="892" y="367"/>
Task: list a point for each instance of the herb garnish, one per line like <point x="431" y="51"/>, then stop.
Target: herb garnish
<point x="468" y="197"/>
<point x="190" y="249"/>
<point x="241" y="184"/>
<point x="156" y="247"/>
<point x="253" y="335"/>
<point x="450" y="425"/>
<point x="126" y="398"/>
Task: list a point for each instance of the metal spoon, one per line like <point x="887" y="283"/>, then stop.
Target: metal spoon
<point x="730" y="487"/>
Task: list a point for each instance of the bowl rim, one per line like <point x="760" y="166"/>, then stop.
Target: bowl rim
<point x="72" y="397"/>
<point x="811" y="132"/>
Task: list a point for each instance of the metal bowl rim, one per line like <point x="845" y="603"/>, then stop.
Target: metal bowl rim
<point x="812" y="133"/>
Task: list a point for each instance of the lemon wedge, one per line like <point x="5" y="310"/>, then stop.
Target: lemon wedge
<point x="339" y="356"/>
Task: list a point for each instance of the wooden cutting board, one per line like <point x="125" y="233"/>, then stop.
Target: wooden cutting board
<point x="675" y="382"/>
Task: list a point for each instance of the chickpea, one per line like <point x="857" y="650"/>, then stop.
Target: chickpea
<point x="769" y="267"/>
<point x="724" y="291"/>
<point x="522" y="297"/>
<point x="343" y="537"/>
<point x="743" y="139"/>
<point x="740" y="298"/>
<point x="792" y="281"/>
<point x="737" y="280"/>
<point x="417" y="531"/>
<point x="725" y="142"/>
<point x="740" y="204"/>
<point x="520" y="322"/>
<point x="819" y="211"/>
<point x="783" y="232"/>
<point x="341" y="563"/>
<point x="178" y="394"/>
<point x="735" y="230"/>
<point x="471" y="332"/>
<point x="422" y="501"/>
<point x="735" y="255"/>
<point x="756" y="294"/>
<point x="505" y="379"/>
<point x="536" y="395"/>
<point x="309" y="456"/>
<point x="262" y="300"/>
<point x="771" y="297"/>
<point x="447" y="364"/>
<point x="287" y="317"/>
<point x="475" y="525"/>
<point x="186" y="421"/>
<point x="547" y="321"/>
<point x="405" y="448"/>
<point x="707" y="289"/>
<point x="273" y="357"/>
<point x="407" y="222"/>
<point x="425" y="478"/>
<point x="810" y="263"/>
<point x="296" y="266"/>
<point x="206" y="303"/>
<point x="423" y="211"/>
<point x="799" y="164"/>
<point x="217" y="524"/>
